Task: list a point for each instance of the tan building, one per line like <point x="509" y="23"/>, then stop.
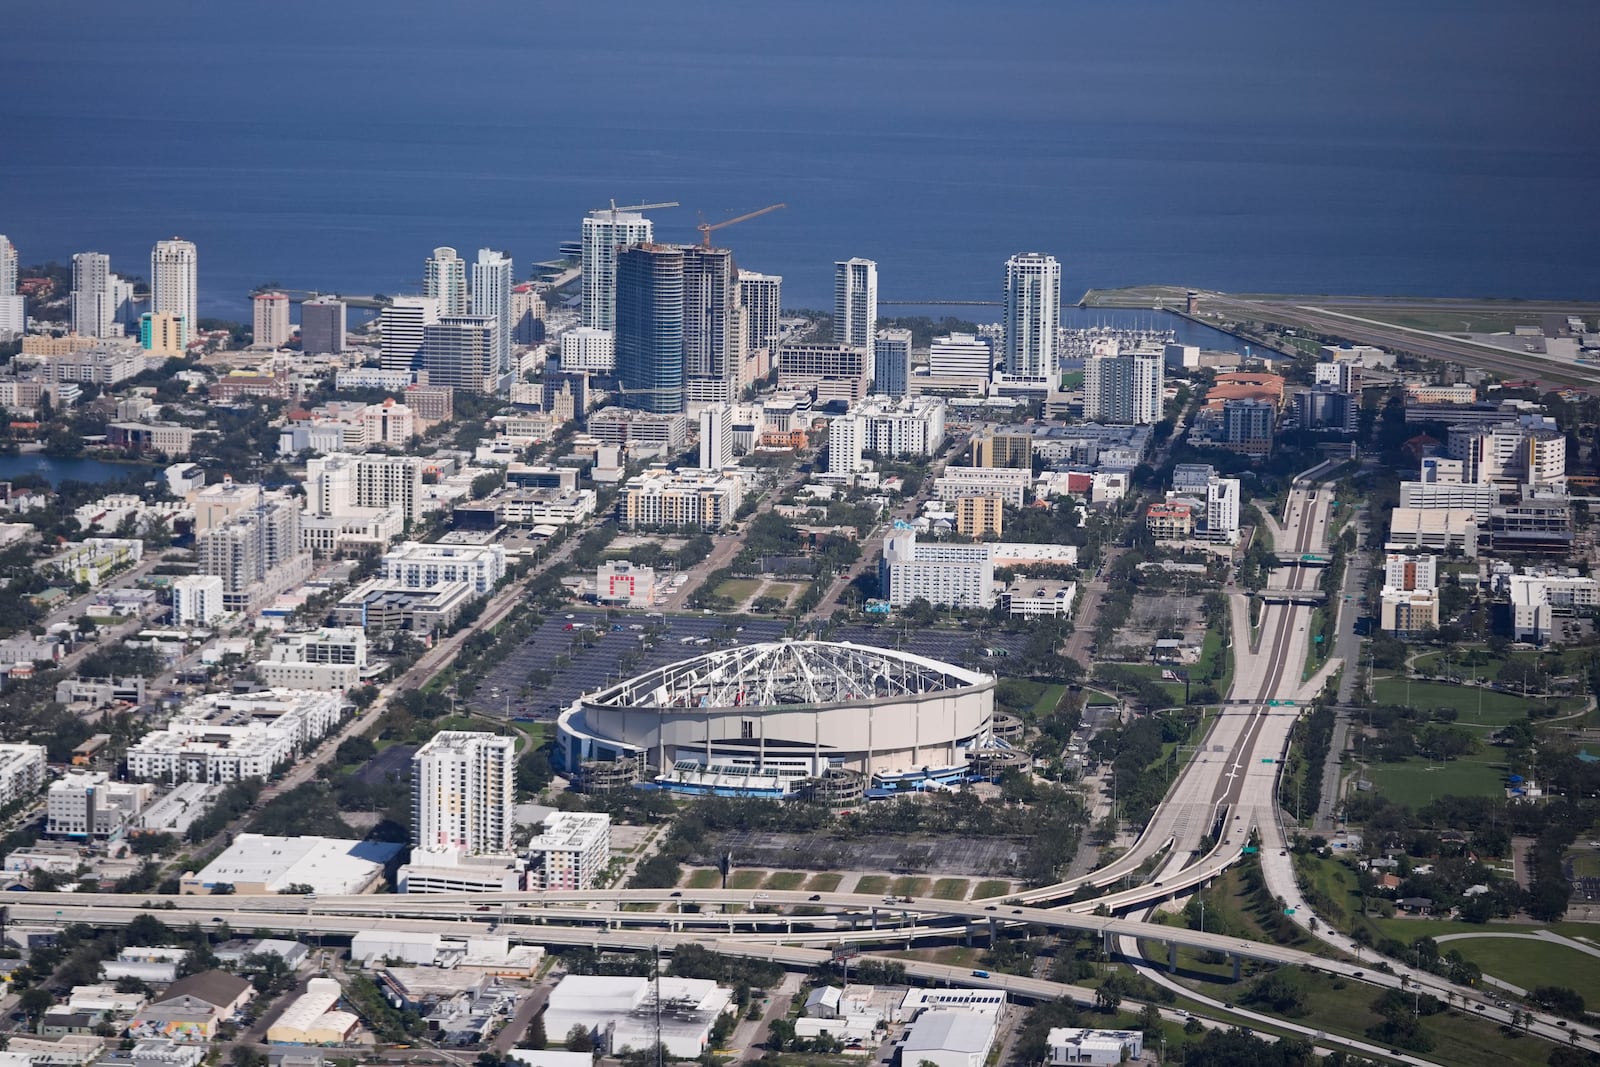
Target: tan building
<point x="1003" y="450"/>
<point x="38" y="344"/>
<point x="272" y="329"/>
<point x="707" y="499"/>
<point x="162" y="333"/>
<point x="1171" y="521"/>
<point x="1409" y="611"/>
<point x="979" y="516"/>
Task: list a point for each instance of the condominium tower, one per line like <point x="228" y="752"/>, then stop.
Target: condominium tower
<point x="444" y="277"/>
<point x="605" y="233"/>
<point x="855" y="302"/>
<point x="491" y="298"/>
<point x="762" y="297"/>
<point x="172" y="284"/>
<point x="1032" y="317"/>
<point x="94" y="298"/>
<point x="322" y="326"/>
<point x="13" y="311"/>
<point x="272" y="327"/>
<point x="711" y="345"/>
<point x="462" y="793"/>
<point x="1125" y="388"/>
<point x="649" y="327"/>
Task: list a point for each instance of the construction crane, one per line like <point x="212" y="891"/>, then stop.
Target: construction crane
<point x="634" y="207"/>
<point x="705" y="227"/>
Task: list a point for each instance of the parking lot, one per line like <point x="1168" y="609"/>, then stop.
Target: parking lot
<point x="601" y="649"/>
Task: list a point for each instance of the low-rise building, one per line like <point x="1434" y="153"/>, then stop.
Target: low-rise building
<point x="22" y="771"/>
<point x="1171" y="520"/>
<point x="1539" y="600"/>
<point x="1036" y="598"/>
<point x="948" y="1037"/>
<point x="256" y="864"/>
<point x="620" y="583"/>
<point x="660" y="497"/>
<point x="1074" y="1045"/>
<point x="570" y="852"/>
<point x="333" y="658"/>
<point x="87" y="804"/>
<point x="192" y="1008"/>
<point x="227" y="737"/>
<point x="620" y="1011"/>
<point x="313" y="1018"/>
<point x="417" y="565"/>
<point x="94" y="559"/>
<point x="377" y="605"/>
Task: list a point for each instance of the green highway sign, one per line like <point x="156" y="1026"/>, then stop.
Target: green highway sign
<point x="1249" y="850"/>
<point x="1266" y="759"/>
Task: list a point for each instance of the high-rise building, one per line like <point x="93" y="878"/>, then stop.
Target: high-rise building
<point x="855" y="302"/>
<point x="649" y="327"/>
<point x="94" y="302"/>
<point x="491" y="298"/>
<point x="1124" y="388"/>
<point x="13" y="307"/>
<point x="589" y="349"/>
<point x="527" y="315"/>
<point x="1032" y="318"/>
<point x="462" y="792"/>
<point x="460" y="351"/>
<point x="444" y="277"/>
<point x="1222" y="510"/>
<point x="126" y="307"/>
<point x="961" y="355"/>
<point x="322" y="326"/>
<point x="272" y="329"/>
<point x="173" y="266"/>
<point x="605" y="233"/>
<point x="401" y="325"/>
<point x="8" y="266"/>
<point x="891" y="362"/>
<point x="162" y="333"/>
<point x="762" y="298"/>
<point x="716" y="436"/>
<point x="711" y="344"/>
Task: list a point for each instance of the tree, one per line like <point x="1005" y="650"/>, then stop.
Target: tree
<point x="35" y="1001"/>
<point x="245" y="1056"/>
<point x="536" y="1037"/>
<point x="1107" y="999"/>
<point x="579" y="1039"/>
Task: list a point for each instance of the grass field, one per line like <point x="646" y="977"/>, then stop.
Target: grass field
<point x="1452" y="321"/>
<point x="911" y="886"/>
<point x="1585" y="865"/>
<point x="1152" y="671"/>
<point x="991" y="887"/>
<point x="1477" y="706"/>
<point x="1530" y="963"/>
<point x="747" y="879"/>
<point x="1417" y="783"/>
<point x="1211" y="651"/>
<point x="785" y="880"/>
<point x="739" y="589"/>
<point x="873" y="883"/>
<point x="704" y="878"/>
<point x="1095" y="698"/>
<point x="951" y="889"/>
<point x="824" y="883"/>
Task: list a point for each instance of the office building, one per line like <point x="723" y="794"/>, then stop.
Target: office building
<point x="716" y="436"/>
<point x="419" y="565"/>
<point x="570" y="852"/>
<point x="462" y="352"/>
<point x="761" y="296"/>
<point x="1072" y="1046"/>
<point x="1539" y="600"/>
<point x="444" y="278"/>
<point x="828" y="372"/>
<point x="173" y="291"/>
<point x="640" y="431"/>
<point x="197" y="600"/>
<point x="1123" y="388"/>
<point x="1032" y="319"/>
<point x="712" y="346"/>
<point x="527" y="314"/>
<point x="891" y="362"/>
<point x="605" y="233"/>
<point x="961" y="355"/>
<point x="462" y="793"/>
<point x="589" y="349"/>
<point x="323" y="326"/>
<point x="272" y="329"/>
<point x="1324" y="407"/>
<point x="620" y="583"/>
<point x="402" y="328"/>
<point x="945" y="575"/>
<point x="855" y="303"/>
<point x="649" y="327"/>
<point x="94" y="300"/>
<point x="978" y="517"/>
<point x="491" y="298"/>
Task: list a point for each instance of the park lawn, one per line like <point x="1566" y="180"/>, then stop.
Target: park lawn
<point x="911" y="886"/>
<point x="738" y="589"/>
<point x="704" y="878"/>
<point x="1098" y="698"/>
<point x="991" y="887"/>
<point x="1417" y="783"/>
<point x="1211" y="648"/>
<point x="782" y="590"/>
<point x="1048" y="699"/>
<point x="747" y="879"/>
<point x="1585" y="865"/>
<point x="951" y="889"/>
<point x="1477" y="706"/>
<point x="1152" y="671"/>
<point x="1530" y="963"/>
<point x="785" y="880"/>
<point x="824" y="883"/>
<point x="876" y="884"/>
<point x="1336" y="882"/>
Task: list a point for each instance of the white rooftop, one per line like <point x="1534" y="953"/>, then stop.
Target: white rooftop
<point x="326" y="864"/>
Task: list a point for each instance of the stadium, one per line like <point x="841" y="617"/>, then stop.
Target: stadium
<point x="830" y="720"/>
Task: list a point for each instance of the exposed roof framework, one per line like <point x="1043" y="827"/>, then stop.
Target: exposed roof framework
<point x="787" y="673"/>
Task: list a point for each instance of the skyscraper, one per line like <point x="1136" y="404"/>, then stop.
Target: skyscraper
<point x="272" y="327"/>
<point x="444" y="277"/>
<point x="716" y="436"/>
<point x="527" y="315"/>
<point x="855" y="302"/>
<point x="1032" y="318"/>
<point x="94" y="303"/>
<point x="13" y="310"/>
<point x="710" y="315"/>
<point x="322" y="326"/>
<point x="649" y="332"/>
<point x="762" y="297"/>
<point x="1125" y="388"/>
<point x="459" y="351"/>
<point x="491" y="297"/>
<point x="891" y="362"/>
<point x="605" y="232"/>
<point x="172" y="283"/>
<point x="401" y="325"/>
<point x="462" y="790"/>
